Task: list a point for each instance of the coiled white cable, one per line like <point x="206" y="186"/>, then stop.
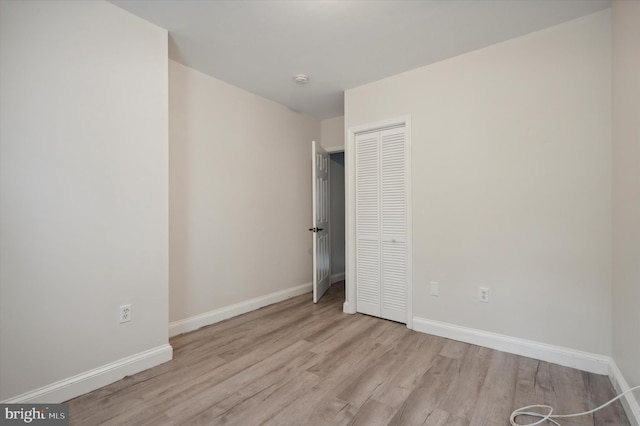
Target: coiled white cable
<point x="550" y="416"/>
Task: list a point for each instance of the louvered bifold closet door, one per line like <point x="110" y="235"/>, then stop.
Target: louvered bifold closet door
<point x="393" y="201"/>
<point x="381" y="224"/>
<point x="368" y="235"/>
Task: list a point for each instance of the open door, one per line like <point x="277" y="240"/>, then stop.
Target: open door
<point x="321" y="251"/>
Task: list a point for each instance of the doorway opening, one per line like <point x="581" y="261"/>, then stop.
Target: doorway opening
<point x="337" y="215"/>
<point x="328" y="218"/>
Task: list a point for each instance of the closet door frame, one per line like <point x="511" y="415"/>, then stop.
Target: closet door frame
<point x="350" y="207"/>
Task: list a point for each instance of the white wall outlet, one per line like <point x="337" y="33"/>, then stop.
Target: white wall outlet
<point x="483" y="294"/>
<point x="125" y="313"/>
<point x="435" y="288"/>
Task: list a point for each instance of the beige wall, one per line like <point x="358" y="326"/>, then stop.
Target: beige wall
<point x="240" y="194"/>
<point x="511" y="175"/>
<point x="626" y="189"/>
<point x="332" y="133"/>
<point x="84" y="192"/>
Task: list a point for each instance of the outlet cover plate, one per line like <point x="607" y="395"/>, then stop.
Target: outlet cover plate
<point x="483" y="294"/>
<point x="125" y="313"/>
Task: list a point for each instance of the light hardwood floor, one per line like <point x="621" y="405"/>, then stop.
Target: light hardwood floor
<point x="296" y="363"/>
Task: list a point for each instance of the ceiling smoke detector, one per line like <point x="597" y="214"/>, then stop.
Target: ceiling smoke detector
<point x="301" y="79"/>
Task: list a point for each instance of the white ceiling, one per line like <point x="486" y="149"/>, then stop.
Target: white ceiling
<point x="260" y="45"/>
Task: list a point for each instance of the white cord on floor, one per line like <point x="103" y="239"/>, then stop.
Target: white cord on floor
<point x="550" y="416"/>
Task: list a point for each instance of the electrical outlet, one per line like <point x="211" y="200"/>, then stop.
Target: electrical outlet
<point x="125" y="313"/>
<point x="435" y="288"/>
<point x="483" y="294"/>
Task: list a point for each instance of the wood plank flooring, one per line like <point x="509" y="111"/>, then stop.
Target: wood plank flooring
<point x="296" y="363"/>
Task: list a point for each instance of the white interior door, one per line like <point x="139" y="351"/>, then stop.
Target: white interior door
<point x="321" y="246"/>
<point x="381" y="223"/>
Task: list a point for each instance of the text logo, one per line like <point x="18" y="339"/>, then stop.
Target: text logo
<point x="34" y="414"/>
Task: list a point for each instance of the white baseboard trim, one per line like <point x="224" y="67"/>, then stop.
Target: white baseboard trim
<point x="629" y="402"/>
<point x="337" y="277"/>
<point x="585" y="361"/>
<point x="88" y="381"/>
<point x="195" y="322"/>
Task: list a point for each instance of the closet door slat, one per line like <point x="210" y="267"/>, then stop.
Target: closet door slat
<point x="368" y="223"/>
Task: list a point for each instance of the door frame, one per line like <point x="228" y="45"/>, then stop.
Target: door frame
<point x="329" y="151"/>
<point x="350" y="304"/>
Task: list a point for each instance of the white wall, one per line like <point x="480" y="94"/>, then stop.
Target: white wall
<point x="332" y="133"/>
<point x="240" y="194"/>
<point x="626" y="189"/>
<point x="511" y="162"/>
<point x="84" y="192"/>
